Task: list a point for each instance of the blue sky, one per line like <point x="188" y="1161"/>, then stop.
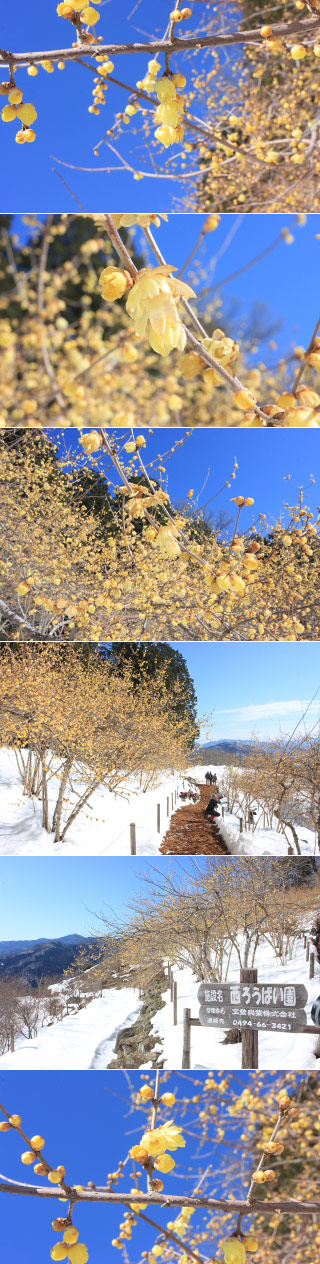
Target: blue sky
<point x="86" y="1124"/>
<point x="267" y="459"/>
<point x="46" y="897"/>
<point x="253" y="688"/>
<point x="282" y="285"/>
<point x="64" y="127"/>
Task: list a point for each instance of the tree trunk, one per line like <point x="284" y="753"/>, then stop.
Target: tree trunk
<point x="45" y="806"/>
<point x="56" y="820"/>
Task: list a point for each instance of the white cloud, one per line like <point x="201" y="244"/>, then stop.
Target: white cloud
<point x="271" y="710"/>
<point x="265" y="719"/>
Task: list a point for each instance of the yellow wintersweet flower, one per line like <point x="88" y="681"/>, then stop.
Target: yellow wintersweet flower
<point x="172" y="1134"/>
<point x="154" y="1142"/>
<point x="152" y="304"/>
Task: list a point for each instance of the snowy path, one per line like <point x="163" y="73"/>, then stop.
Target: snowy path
<point x="190" y="833"/>
<point x="104" y="1052"/>
<point x="81" y="1041"/>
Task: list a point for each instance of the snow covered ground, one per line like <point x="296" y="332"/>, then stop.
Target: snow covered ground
<point x="81" y="1041"/>
<point x="102" y="827"/>
<point x="276" y="1049"/>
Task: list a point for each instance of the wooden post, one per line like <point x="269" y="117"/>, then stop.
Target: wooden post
<point x="241" y="824"/>
<point x="172" y="803"/>
<point x="168" y="806"/>
<point x="307" y="950"/>
<point x="12" y="1034"/>
<point x="133" y="844"/>
<point x="304" y="941"/>
<point x="250" y="1057"/>
<point x="222" y="810"/>
<point x="186" y="1040"/>
<point x="311" y="966"/>
<point x="175" y="1003"/>
<point x="158" y="818"/>
<point x="169" y="975"/>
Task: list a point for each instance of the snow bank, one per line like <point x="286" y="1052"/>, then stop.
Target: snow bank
<point x="262" y="841"/>
<point x="276" y="1049"/>
<point x="80" y="1042"/>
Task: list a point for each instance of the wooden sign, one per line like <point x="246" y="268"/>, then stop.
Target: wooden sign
<point x="259" y="1018"/>
<point x="256" y="996"/>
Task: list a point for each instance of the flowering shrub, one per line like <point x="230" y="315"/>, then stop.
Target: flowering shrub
<point x="146" y="576"/>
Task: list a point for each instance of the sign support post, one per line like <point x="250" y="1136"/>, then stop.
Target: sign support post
<point x="250" y="1037"/>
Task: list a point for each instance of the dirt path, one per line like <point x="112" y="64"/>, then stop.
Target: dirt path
<point x="191" y="834"/>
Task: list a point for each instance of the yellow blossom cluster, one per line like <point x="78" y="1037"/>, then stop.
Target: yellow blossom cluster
<point x="170" y="111"/>
<point x="154" y="1145"/>
<point x="224" y="349"/>
<point x="87" y="14"/>
<point x="70" y="1248"/>
<point x="260" y="153"/>
<point x="18" y="110"/>
<point x="141" y="220"/>
<point x="235" y="1248"/>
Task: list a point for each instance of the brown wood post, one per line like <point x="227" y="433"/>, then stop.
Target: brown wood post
<point x="158" y="818"/>
<point x="311" y="966"/>
<point x="241" y="824"/>
<point x="307" y="950"/>
<point x="222" y="810"/>
<point x="304" y="941"/>
<point x="250" y="1053"/>
<point x="133" y="843"/>
<point x="186" y="1040"/>
<point x="168" y="806"/>
<point x="172" y="803"/>
<point x="12" y="1033"/>
<point x="169" y="974"/>
<point x="175" y="1004"/>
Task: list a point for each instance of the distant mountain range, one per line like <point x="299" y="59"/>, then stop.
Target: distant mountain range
<point x="231" y="745"/>
<point x="37" y="959"/>
<point x="224" y="752"/>
<point x="18" y="945"/>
